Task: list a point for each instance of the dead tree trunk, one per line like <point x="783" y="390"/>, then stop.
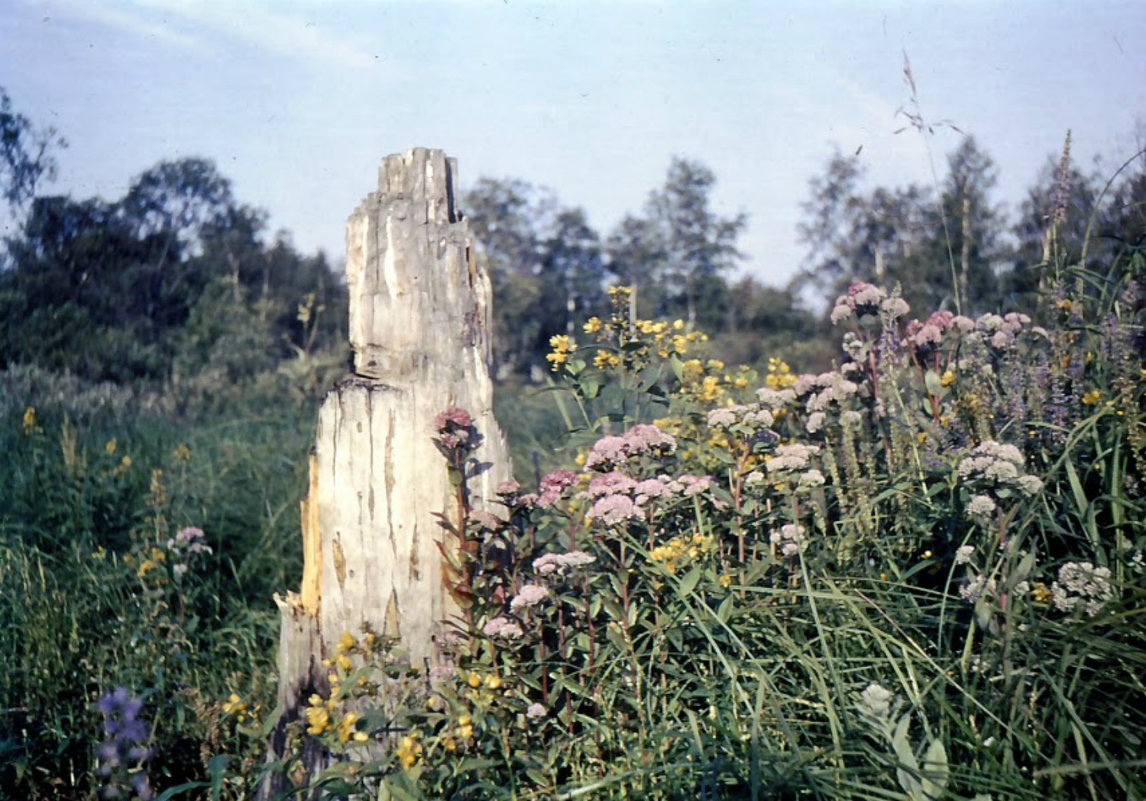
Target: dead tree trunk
<point x="420" y="332"/>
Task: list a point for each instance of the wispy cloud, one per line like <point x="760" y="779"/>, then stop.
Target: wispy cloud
<point x="197" y="25"/>
<point x="123" y="18"/>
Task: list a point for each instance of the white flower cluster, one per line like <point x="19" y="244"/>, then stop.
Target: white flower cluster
<point x="1081" y="585"/>
<point x="792" y="457"/>
<point x="789" y="539"/>
<point x="754" y="417"/>
<point x="876" y="701"/>
<point x="998" y="464"/>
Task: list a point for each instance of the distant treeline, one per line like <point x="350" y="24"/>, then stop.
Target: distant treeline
<point x="176" y="284"/>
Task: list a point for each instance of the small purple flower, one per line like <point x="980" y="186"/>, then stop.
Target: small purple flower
<point x="125" y="746"/>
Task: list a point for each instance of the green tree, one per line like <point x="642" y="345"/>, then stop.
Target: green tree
<point x="694" y="245"/>
<point x="26" y="156"/>
<point x="546" y="266"/>
<point x="944" y="252"/>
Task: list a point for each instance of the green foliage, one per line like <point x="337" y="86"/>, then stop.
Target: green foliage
<point x="98" y="591"/>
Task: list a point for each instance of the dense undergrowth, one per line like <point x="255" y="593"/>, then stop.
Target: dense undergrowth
<point x="917" y="575"/>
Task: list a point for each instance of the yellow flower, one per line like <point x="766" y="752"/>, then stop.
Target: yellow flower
<point x="947" y="379"/>
<point x="592" y="325"/>
<point x="110" y="446"/>
<point x="1092" y="397"/>
<point x="144" y="568"/>
<point x="605" y="359"/>
<point x="344" y="661"/>
<point x="741" y="382"/>
<point x="1041" y="593"/>
<point x="710" y="388"/>
<point x="29" y="420"/>
<point x="725" y="580"/>
<point x="318" y="719"/>
<point x="182" y="453"/>
<point x="619" y="290"/>
<point x="715" y="364"/>
<point x="493" y="681"/>
<point x="474" y="680"/>
<point x="233" y="705"/>
<point x="346" y="642"/>
<point x="562" y="346"/>
<point x="345" y="728"/>
<point x="361" y="736"/>
<point x="409" y="750"/>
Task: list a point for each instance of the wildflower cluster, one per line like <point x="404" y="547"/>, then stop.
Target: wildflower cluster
<point x="624" y="340"/>
<point x="1082" y="586"/>
<point x="123" y="755"/>
<point x="679" y="551"/>
<point x="187" y="544"/>
<point x="865" y="300"/>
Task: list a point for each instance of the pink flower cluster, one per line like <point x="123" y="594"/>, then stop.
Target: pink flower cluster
<point x="190" y="539"/>
<point x="864" y="298"/>
<point x="502" y="626"/>
<point x="553" y="484"/>
<point x="612" y="450"/>
<point x="454" y="427"/>
<point x="620" y="498"/>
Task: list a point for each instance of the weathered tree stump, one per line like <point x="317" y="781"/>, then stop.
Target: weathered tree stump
<point x="420" y="332"/>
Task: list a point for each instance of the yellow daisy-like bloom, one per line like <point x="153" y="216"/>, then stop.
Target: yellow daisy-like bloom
<point x="562" y="346"/>
<point x="346" y="642"/>
<point x="110" y="446"/>
<point x="409" y="750"/>
<point x="493" y="681"/>
<point x="725" y="580"/>
<point x="947" y="379"/>
<point x="1041" y="593"/>
<point x="29" y="419"/>
<point x="474" y="680"/>
<point x="592" y="325"/>
<point x="144" y="568"/>
<point x="1092" y="397"/>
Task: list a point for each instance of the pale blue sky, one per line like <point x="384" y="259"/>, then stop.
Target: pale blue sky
<point x="297" y="101"/>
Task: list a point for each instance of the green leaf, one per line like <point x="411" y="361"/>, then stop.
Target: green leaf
<point x="689" y="582"/>
<point x="935" y="770"/>
<point x="933" y="383"/>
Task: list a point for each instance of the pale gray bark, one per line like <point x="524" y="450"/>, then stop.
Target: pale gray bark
<point x="420" y="332"/>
